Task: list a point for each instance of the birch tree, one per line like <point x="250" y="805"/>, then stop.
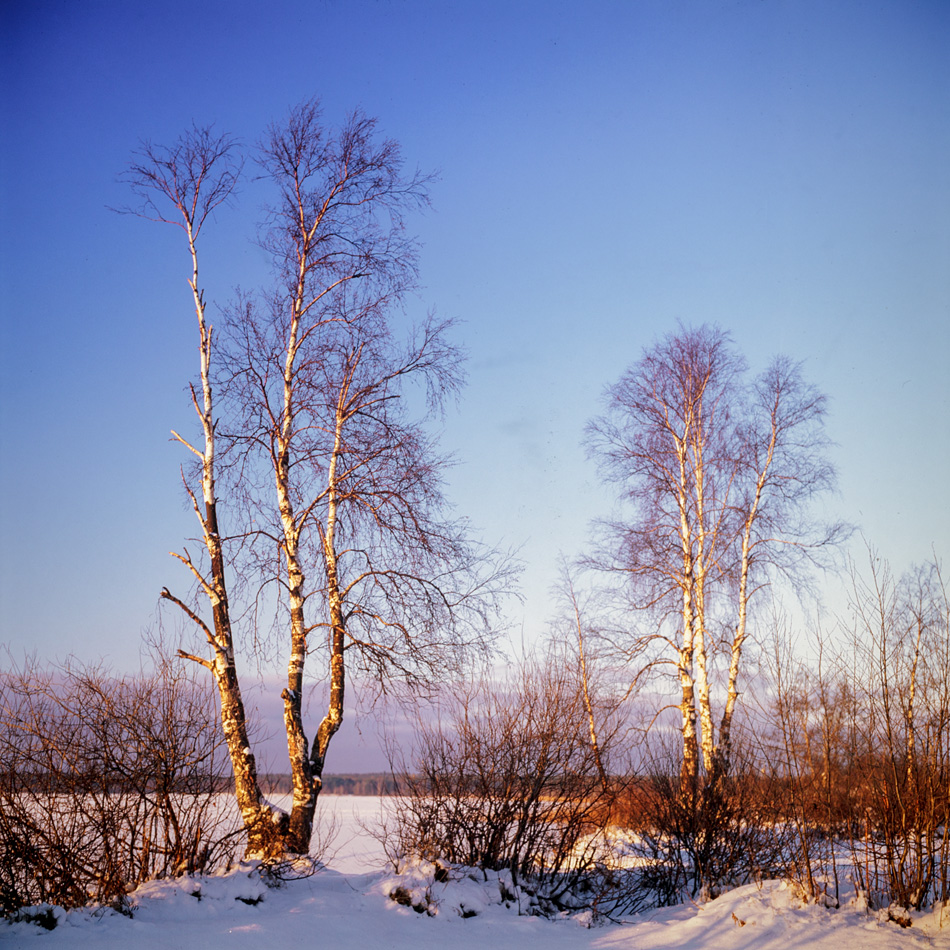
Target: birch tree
<point x="334" y="483"/>
<point x="183" y="185"/>
<point x="782" y="466"/>
<point x="715" y="476"/>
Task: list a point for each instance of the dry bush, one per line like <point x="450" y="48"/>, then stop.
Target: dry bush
<point x="105" y="782"/>
<point x="629" y="803"/>
<point x="507" y="778"/>
<point x="864" y="741"/>
<point x="898" y="822"/>
<point x="812" y="745"/>
<point x="723" y="835"/>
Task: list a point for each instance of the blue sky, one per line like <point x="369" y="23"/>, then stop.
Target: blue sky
<point x="607" y="168"/>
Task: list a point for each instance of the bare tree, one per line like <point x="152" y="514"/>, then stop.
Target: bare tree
<point x="715" y="475"/>
<point x="901" y="639"/>
<point x="862" y="738"/>
<point x="574" y="628"/>
<point x="813" y="747"/>
<point x="183" y="185"/>
<point x="335" y="487"/>
<point x="782" y="467"/>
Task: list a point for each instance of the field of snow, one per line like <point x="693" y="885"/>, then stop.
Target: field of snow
<point x="347" y="907"/>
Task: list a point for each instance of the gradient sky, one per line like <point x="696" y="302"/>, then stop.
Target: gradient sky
<point x="781" y="167"/>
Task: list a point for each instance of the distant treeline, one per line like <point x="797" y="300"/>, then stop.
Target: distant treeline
<point x="359" y="783"/>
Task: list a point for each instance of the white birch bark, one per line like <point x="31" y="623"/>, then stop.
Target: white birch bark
<point x="689" y="773"/>
<point x="259" y="820"/>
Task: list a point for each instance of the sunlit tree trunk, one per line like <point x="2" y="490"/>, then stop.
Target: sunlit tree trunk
<point x="303" y="786"/>
<point x="700" y="570"/>
<point x="722" y="759"/>
<point x="262" y="825"/>
<point x="197" y="175"/>
<point x="333" y="718"/>
<point x="689" y="772"/>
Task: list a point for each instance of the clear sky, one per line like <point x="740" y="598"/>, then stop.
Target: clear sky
<point x="781" y="167"/>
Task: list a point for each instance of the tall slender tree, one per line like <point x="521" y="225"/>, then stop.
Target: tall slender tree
<point x="183" y="184"/>
<point x="716" y="476"/>
<point x="335" y="485"/>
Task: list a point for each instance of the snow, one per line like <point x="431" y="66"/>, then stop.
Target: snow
<point x="348" y="906"/>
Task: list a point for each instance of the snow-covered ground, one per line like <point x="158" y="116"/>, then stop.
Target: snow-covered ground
<point x="347" y="907"/>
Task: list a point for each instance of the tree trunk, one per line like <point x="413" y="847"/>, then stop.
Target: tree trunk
<point x="723" y="757"/>
<point x="701" y="560"/>
<point x="689" y="771"/>
<point x="264" y="827"/>
<point x="334" y="717"/>
<point x="303" y="807"/>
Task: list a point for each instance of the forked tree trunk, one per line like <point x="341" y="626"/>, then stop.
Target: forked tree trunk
<point x="304" y="801"/>
<point x="340" y="217"/>
<point x="306" y="764"/>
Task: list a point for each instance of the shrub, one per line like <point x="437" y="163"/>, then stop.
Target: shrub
<point x="723" y="836"/>
<point x="105" y="782"/>
<point x="506" y="778"/>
